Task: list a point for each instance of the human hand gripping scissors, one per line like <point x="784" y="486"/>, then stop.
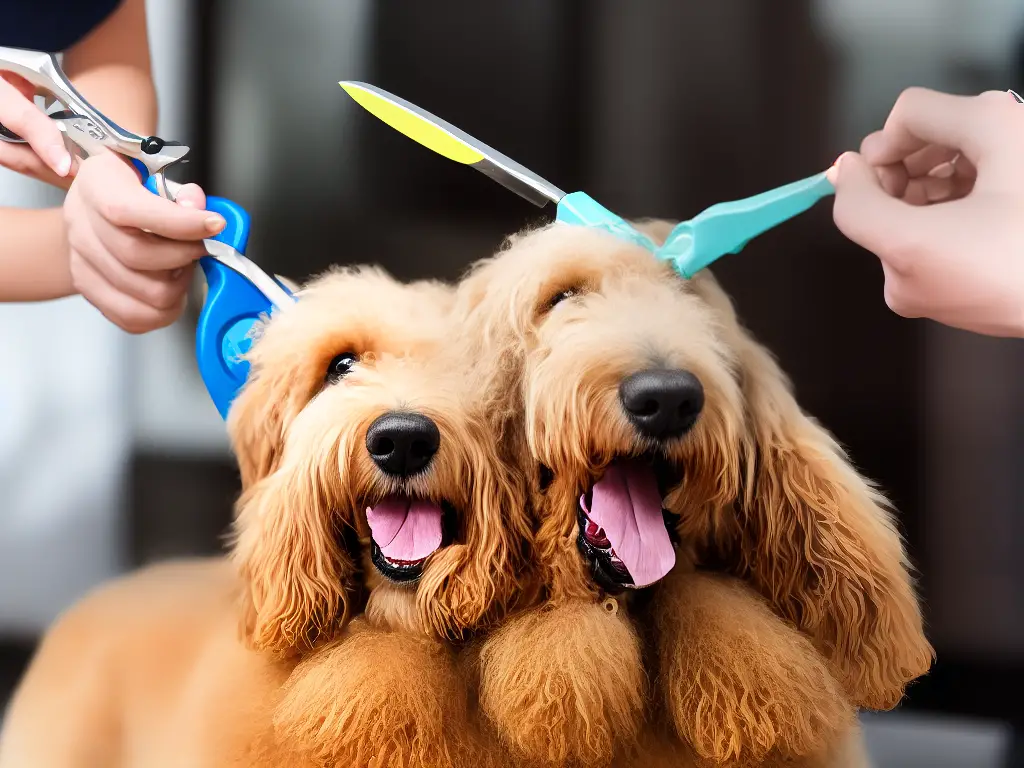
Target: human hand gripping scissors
<point x="690" y="247"/>
<point x="239" y="292"/>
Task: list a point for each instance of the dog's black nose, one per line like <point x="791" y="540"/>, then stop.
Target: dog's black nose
<point x="661" y="403"/>
<point x="402" y="444"/>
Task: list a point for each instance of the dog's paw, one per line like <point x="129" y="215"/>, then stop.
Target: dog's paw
<point x="738" y="682"/>
<point x="380" y="699"/>
<point x="564" y="685"/>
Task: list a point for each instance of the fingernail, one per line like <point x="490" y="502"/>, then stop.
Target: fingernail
<point x="187" y="204"/>
<point x="833" y="172"/>
<point x="60" y="160"/>
<point x="944" y="171"/>
<point x="1016" y="96"/>
<point x="215" y="224"/>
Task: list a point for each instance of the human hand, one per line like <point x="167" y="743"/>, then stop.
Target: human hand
<point x="938" y="195"/>
<point x="44" y="157"/>
<point x="132" y="252"/>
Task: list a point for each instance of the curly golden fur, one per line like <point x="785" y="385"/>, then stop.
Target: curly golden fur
<point x="334" y="665"/>
<point x="758" y="665"/>
<point x="819" y="540"/>
<point x="373" y="683"/>
<point x="309" y="478"/>
<point x="765" y="490"/>
<point x="559" y="683"/>
<point x="741" y="686"/>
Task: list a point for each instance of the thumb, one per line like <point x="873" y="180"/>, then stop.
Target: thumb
<point x="864" y="211"/>
<point x="191" y="196"/>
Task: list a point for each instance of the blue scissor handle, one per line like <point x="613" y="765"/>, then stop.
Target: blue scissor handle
<point x="233" y="305"/>
<point x="223" y="333"/>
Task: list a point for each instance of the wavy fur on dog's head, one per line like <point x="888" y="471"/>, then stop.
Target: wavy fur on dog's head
<point x="563" y="315"/>
<point x="760" y="484"/>
<point x="308" y="478"/>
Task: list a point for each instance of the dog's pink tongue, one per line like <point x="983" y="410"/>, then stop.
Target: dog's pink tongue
<point x="627" y="505"/>
<point x="405" y="529"/>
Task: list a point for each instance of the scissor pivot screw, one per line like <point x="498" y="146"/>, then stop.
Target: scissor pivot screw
<point x="152" y="145"/>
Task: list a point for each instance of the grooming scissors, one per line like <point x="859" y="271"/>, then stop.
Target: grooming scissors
<point x="691" y="246"/>
<point x="239" y="292"/>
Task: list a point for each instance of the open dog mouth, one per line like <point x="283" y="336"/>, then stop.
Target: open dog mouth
<point x="406" y="531"/>
<point x="624" y="532"/>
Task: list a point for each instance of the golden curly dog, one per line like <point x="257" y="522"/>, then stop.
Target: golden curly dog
<point x="660" y="436"/>
<point x="367" y="467"/>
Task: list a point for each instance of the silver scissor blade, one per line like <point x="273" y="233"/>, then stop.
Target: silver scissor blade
<point x="497" y="166"/>
<point x="231" y="258"/>
<point x="44" y="72"/>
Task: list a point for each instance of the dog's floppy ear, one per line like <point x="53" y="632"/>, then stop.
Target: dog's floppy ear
<point x="291" y="559"/>
<point x="818" y="539"/>
<point x="256" y="418"/>
<point x="288" y="551"/>
<point x="494" y="340"/>
<point x="256" y="426"/>
<point x="471" y="585"/>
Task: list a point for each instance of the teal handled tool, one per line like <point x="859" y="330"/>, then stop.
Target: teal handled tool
<point x="691" y="246"/>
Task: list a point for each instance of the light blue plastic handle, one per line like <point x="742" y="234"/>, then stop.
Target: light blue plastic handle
<point x="581" y="209"/>
<point x="232" y="307"/>
<point x="727" y="227"/>
<point x="718" y="230"/>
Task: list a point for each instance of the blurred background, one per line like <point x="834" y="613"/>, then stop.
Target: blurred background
<point x="112" y="456"/>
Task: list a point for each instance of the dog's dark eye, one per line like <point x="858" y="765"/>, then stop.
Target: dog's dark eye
<point x="545" y="477"/>
<point x="561" y="296"/>
<point x="341" y="365"/>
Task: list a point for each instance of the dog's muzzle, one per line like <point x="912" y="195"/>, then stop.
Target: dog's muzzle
<point x="662" y="404"/>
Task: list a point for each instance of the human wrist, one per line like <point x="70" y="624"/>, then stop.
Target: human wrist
<point x="34" y="255"/>
<point x="54" y="271"/>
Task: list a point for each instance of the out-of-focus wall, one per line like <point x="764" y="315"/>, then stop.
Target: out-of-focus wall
<point x="77" y="394"/>
<point x="170" y="408"/>
<point x="64" y="436"/>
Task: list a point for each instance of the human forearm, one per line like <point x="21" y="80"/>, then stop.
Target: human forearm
<point x="111" y="68"/>
<point x="33" y="255"/>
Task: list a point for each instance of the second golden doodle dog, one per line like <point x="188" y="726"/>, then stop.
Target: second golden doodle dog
<point x="660" y="437"/>
<point x="376" y="525"/>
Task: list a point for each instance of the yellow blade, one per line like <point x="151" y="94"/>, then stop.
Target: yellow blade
<point x="447" y="140"/>
<point x="414" y="125"/>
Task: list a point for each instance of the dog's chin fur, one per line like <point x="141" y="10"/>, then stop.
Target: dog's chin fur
<point x="767" y="495"/>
